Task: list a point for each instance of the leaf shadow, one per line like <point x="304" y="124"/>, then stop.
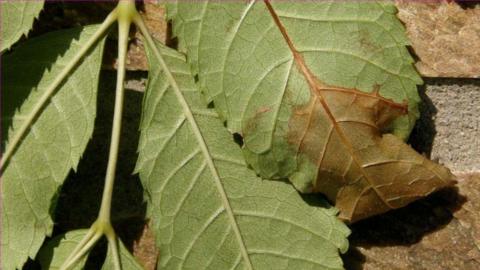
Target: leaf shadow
<point x="470" y="4"/>
<point x="403" y="227"/>
<point x="423" y="133"/>
<point x="80" y="196"/>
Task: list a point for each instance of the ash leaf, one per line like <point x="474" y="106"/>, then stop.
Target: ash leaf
<point x="312" y="88"/>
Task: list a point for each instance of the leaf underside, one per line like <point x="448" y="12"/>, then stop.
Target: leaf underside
<point x="54" y="253"/>
<point x="17" y="20"/>
<point x="127" y="261"/>
<point x="55" y="141"/>
<point x="209" y="211"/>
<point x="312" y="87"/>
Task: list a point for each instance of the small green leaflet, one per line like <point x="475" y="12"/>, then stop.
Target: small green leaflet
<point x="127" y="261"/>
<point x="54" y="253"/>
<point x="208" y="211"/>
<point x="55" y="141"/>
<point x="17" y="20"/>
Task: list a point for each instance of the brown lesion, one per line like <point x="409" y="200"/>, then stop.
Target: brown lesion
<point x="341" y="131"/>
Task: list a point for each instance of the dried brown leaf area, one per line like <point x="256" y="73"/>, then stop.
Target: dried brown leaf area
<point x="362" y="170"/>
<point x="445" y="37"/>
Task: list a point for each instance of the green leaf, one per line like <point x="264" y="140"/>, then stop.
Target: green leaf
<point x="246" y="67"/>
<point x="54" y="253"/>
<point x="17" y="20"/>
<point x="127" y="261"/>
<point x="208" y="210"/>
<point x="56" y="139"/>
<point x="245" y="64"/>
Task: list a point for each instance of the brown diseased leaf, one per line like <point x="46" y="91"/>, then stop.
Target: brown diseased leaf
<point x="444" y="36"/>
<point x="362" y="170"/>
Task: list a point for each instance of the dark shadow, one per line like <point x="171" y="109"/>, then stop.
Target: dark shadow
<point x="238" y="139"/>
<point x="403" y="227"/>
<point x="81" y="194"/>
<point x="353" y="259"/>
<point x="96" y="257"/>
<point x="316" y="200"/>
<point x="467" y="4"/>
<point x="211" y="105"/>
<point x="171" y="40"/>
<point x="452" y="81"/>
<point x="79" y="200"/>
<point x="423" y="133"/>
<point x="57" y="15"/>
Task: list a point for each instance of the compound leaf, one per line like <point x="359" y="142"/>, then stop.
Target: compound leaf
<point x="312" y="87"/>
<point x="17" y="20"/>
<point x="208" y="210"/>
<point x="56" y="139"/>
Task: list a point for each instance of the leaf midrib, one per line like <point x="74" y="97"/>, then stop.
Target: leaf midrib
<point x="208" y="157"/>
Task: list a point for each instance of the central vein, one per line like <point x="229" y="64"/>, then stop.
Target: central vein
<point x="315" y="89"/>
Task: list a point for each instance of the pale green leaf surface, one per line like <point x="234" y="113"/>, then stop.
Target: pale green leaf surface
<point x="245" y="66"/>
<point x="54" y="253"/>
<point x="55" y="141"/>
<point x="17" y="20"/>
<point x="209" y="211"/>
<point x="127" y="261"/>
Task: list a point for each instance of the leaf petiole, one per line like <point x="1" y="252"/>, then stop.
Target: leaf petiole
<point x="81" y="250"/>
<point x="125" y="13"/>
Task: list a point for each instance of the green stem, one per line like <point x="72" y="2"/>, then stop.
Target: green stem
<point x="123" y="30"/>
<point x="125" y="13"/>
<point x="83" y="242"/>
<point x="76" y="257"/>
<point x="113" y="243"/>
<point x="47" y="94"/>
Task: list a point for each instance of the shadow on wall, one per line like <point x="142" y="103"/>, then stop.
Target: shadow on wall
<point x="423" y="134"/>
<point x="403" y="227"/>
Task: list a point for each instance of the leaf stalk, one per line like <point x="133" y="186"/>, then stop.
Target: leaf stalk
<point x="125" y="13"/>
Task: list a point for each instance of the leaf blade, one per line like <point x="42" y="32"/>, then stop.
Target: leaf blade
<point x="57" y="139"/>
<point x="176" y="176"/>
<point x="236" y="22"/>
<point x="127" y="261"/>
<point x="17" y="20"/>
<point x="266" y="66"/>
<point x="54" y="253"/>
